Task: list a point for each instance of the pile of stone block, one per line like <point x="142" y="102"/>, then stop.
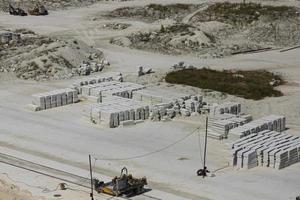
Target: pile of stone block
<point x="166" y="104"/>
<point x="55" y="98"/>
<point x="115" y="111"/>
<point x="97" y="79"/>
<point x="271" y="122"/>
<point x="226" y="107"/>
<point x="181" y="107"/>
<point x="155" y="96"/>
<point x="266" y="148"/>
<point x="221" y="124"/>
<point x="104" y="89"/>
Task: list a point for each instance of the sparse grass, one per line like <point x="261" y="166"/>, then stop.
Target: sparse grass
<point x="247" y="84"/>
<point x="155" y="11"/>
<point x="240" y="13"/>
<point x="169" y="8"/>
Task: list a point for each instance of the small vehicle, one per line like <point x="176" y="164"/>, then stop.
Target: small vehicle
<point x="16" y="11"/>
<point x="125" y="184"/>
<point x="38" y="10"/>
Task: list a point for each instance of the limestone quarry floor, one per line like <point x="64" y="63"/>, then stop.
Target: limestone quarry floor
<point x="63" y="138"/>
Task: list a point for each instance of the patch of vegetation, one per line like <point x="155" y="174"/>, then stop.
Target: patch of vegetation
<point x="245" y="13"/>
<point x="247" y="84"/>
<point x="155" y="11"/>
<point x="169" y="8"/>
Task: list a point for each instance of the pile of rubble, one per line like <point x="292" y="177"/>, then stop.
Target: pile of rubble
<point x="165" y="105"/>
<point x="154" y="12"/>
<point x="182" y="65"/>
<point x="116" y="26"/>
<point x="32" y="56"/>
<point x="88" y="67"/>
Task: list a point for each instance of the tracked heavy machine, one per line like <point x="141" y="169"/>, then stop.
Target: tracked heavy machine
<point x="16" y="11"/>
<point x="125" y="184"/>
<point x="38" y="10"/>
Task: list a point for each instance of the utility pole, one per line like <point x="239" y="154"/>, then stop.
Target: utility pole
<point x="203" y="172"/>
<point x="91" y="173"/>
<point x="205" y="147"/>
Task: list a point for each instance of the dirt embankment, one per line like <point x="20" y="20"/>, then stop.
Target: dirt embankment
<point x="219" y="30"/>
<point x="154" y="12"/>
<point x="12" y="192"/>
<point x="49" y="4"/>
<point x="32" y="56"/>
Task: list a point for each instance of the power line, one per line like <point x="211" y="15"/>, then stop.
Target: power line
<point x="149" y="153"/>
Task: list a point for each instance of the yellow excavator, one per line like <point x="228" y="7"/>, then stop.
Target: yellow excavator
<point x="125" y="184"/>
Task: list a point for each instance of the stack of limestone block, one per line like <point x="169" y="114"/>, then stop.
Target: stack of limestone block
<point x="55" y="98"/>
<point x="271" y="122"/>
<point x="266" y="148"/>
<point x="115" y="111"/>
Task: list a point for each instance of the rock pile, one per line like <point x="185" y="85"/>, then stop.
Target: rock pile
<point x="116" y="26"/>
<point x="41" y="58"/>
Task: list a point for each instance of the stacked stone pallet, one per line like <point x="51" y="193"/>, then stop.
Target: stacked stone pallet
<point x="104" y="89"/>
<point x="221" y="124"/>
<point x="97" y="79"/>
<point x="165" y="104"/>
<point x="266" y="148"/>
<point x="155" y="96"/>
<point x="227" y="107"/>
<point x="115" y="111"/>
<point x="271" y="122"/>
<point x="55" y="98"/>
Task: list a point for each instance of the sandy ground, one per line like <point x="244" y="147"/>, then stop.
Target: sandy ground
<point x="62" y="138"/>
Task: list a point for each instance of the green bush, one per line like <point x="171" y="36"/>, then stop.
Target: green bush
<point x="247" y="84"/>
